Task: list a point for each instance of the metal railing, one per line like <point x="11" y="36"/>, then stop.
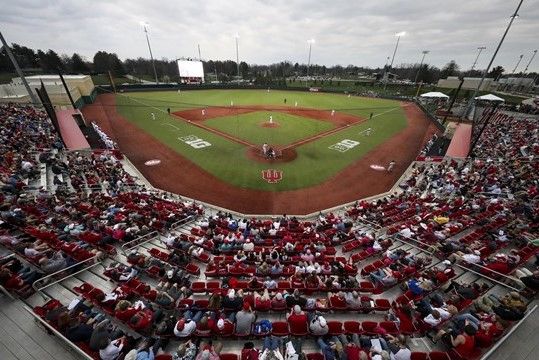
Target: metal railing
<point x="507" y="278"/>
<point x="96" y="259"/>
<point x="183" y="221"/>
<point x="138" y="241"/>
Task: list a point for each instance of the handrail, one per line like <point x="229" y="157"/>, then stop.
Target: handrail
<point x="488" y="277"/>
<point x="183" y="221"/>
<point x="400" y="237"/>
<point x="12" y="255"/>
<point x="506" y="336"/>
<point x="139" y="241"/>
<point x="58" y="334"/>
<point x="39" y="290"/>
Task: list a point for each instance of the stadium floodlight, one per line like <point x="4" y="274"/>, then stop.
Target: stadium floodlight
<point x="424" y="52"/>
<point x="480" y="48"/>
<point x="310" y="42"/>
<point x="398" y="35"/>
<point x="145" y="25"/>
<point x="236" y="37"/>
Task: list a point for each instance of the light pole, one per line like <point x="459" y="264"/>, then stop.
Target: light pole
<point x="513" y="72"/>
<point x="526" y="69"/>
<point x="398" y="35"/>
<point x="145" y="26"/>
<point x="472" y="98"/>
<point x="310" y="42"/>
<point x="237" y="36"/>
<point x="481" y="48"/>
<point x="529" y="62"/>
<point x="518" y="63"/>
<point x="424" y="52"/>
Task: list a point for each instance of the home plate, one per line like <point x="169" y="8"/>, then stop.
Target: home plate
<point x="378" y="167"/>
<point x="152" y="162"/>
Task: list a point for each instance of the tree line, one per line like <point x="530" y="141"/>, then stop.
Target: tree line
<point x="41" y="61"/>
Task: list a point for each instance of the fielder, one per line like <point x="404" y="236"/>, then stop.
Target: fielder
<point x="153" y="116"/>
<point x="271" y="119"/>
<point x="203" y="112"/>
<point x="332" y="112"/>
<point x="391" y="166"/>
<point x="296" y="104"/>
<point x="231" y="103"/>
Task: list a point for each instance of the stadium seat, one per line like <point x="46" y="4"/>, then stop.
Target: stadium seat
<point x="229" y="356"/>
<point x="352" y="327"/>
<point x="335" y="328"/>
<point x="417" y="355"/>
<point x="369" y="328"/>
<point x="439" y="355"/>
<point x="315" y="356"/>
<point x="280" y="328"/>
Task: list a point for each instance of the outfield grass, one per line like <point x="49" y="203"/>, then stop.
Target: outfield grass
<point x="248" y="127"/>
<point x="227" y="160"/>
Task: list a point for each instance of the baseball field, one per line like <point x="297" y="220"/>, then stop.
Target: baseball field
<point x="211" y="142"/>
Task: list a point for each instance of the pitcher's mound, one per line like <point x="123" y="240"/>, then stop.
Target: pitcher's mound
<point x="285" y="155"/>
<point x="268" y="124"/>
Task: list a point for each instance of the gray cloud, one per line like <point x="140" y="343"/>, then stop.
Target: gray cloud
<point x="346" y="31"/>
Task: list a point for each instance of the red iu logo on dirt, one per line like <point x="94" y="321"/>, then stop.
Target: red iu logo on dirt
<point x="272" y="176"/>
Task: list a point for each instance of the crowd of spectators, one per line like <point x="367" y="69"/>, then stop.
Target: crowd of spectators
<point x="469" y="212"/>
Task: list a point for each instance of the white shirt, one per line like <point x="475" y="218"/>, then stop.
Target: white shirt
<point x="187" y="330"/>
<point x="402" y="354"/>
<point x="471" y="258"/>
<point x="111" y="351"/>
<point x="31" y="252"/>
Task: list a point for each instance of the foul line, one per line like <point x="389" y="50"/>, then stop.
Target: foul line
<point x="174" y="126"/>
<point x="217" y="132"/>
<point x="336" y="130"/>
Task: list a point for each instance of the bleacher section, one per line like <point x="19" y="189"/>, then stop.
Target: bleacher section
<point x="442" y="268"/>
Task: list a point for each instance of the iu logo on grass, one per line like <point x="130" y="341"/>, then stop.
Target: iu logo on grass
<point x="272" y="176"/>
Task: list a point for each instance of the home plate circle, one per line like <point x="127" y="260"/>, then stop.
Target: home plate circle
<point x="378" y="167"/>
<point x="152" y="162"/>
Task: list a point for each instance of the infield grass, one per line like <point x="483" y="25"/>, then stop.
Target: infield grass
<point x="249" y="127"/>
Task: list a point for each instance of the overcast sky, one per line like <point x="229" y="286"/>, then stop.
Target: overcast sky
<point x="359" y="32"/>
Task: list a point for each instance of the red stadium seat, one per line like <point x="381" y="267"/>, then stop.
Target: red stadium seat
<point x="369" y="327"/>
<point x="382" y="305"/>
<point x="229" y="356"/>
<point x="335" y="328"/>
<point x="417" y="355"/>
<point x="280" y="328"/>
<point x="352" y="327"/>
<point x="439" y="355"/>
<point x="198" y="287"/>
<point x="315" y="356"/>
<point x="390" y="327"/>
